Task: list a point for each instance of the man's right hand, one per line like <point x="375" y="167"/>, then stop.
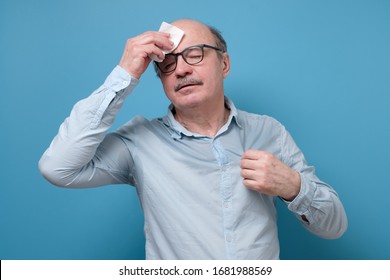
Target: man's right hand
<point x="135" y="57"/>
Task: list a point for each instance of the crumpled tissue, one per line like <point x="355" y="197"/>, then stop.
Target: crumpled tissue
<point x="176" y="36"/>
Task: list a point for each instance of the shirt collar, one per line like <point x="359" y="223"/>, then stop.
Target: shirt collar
<point x="178" y="130"/>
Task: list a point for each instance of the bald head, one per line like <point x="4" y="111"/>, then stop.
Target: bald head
<point x="190" y="26"/>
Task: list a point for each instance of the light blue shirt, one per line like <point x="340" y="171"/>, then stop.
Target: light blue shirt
<point x="191" y="192"/>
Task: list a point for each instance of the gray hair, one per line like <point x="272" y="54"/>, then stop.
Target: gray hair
<point x="219" y="41"/>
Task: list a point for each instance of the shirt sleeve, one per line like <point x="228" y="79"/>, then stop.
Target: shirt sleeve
<point x="317" y="205"/>
<point x="82" y="154"/>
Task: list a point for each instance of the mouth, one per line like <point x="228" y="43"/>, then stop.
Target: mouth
<point x="187" y="82"/>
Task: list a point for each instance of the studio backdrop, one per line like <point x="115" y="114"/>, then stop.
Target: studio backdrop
<point x="322" y="68"/>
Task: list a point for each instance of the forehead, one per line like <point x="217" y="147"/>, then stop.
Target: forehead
<point x="194" y="33"/>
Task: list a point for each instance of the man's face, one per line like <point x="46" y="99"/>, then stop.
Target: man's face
<point x="189" y="86"/>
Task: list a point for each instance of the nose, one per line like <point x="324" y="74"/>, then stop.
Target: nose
<point x="182" y="67"/>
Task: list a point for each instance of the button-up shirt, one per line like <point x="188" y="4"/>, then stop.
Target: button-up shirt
<point x="192" y="195"/>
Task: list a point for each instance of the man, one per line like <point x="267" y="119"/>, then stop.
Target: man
<point x="207" y="174"/>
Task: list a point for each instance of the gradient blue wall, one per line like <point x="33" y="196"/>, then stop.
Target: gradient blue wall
<point x="321" y="67"/>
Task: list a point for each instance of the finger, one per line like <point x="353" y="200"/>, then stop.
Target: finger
<point x="254" y="154"/>
<point x="151" y="36"/>
<point x="255" y="186"/>
<point x="249" y="164"/>
<point x="250" y="184"/>
<point x="135" y="58"/>
<point x="143" y="51"/>
<point x="160" y="39"/>
<point x="156" y="51"/>
<point x="250" y="154"/>
<point x="164" y="42"/>
<point x="248" y="173"/>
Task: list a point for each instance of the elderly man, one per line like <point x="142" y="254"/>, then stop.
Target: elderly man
<point x="207" y="174"/>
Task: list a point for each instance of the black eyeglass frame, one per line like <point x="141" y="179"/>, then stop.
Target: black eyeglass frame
<point x="176" y="55"/>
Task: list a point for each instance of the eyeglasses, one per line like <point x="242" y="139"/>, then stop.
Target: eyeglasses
<point x="191" y="55"/>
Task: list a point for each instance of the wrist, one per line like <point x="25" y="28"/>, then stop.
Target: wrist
<point x="295" y="188"/>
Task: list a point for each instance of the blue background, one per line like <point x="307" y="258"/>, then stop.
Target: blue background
<point x="322" y="68"/>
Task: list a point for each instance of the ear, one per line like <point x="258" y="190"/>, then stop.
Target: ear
<point x="226" y="64"/>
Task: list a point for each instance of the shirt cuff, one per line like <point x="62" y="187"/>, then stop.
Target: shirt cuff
<point x="117" y="86"/>
<point x="301" y="203"/>
<point x="119" y="79"/>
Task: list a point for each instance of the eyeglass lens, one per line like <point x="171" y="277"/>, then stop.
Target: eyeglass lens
<point x="192" y="55"/>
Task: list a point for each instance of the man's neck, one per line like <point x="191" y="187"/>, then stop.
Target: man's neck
<point x="205" y="122"/>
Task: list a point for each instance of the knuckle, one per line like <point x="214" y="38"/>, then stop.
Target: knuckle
<point x="130" y="41"/>
<point x="147" y="33"/>
<point x="263" y="166"/>
<point x="268" y="156"/>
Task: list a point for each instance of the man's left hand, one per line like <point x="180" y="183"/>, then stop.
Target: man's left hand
<point x="265" y="173"/>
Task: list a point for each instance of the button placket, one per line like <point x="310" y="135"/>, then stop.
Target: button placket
<point x="226" y="196"/>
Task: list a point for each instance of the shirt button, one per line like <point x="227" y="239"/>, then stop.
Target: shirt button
<point x="226" y="204"/>
<point x="125" y="83"/>
<point x="229" y="238"/>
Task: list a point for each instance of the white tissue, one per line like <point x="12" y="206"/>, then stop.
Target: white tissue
<point x="176" y="36"/>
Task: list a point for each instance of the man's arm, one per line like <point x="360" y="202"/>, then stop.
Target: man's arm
<point x="81" y="155"/>
<point x="315" y="203"/>
<point x="71" y="159"/>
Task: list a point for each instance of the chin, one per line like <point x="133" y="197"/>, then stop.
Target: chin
<point x="188" y="100"/>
